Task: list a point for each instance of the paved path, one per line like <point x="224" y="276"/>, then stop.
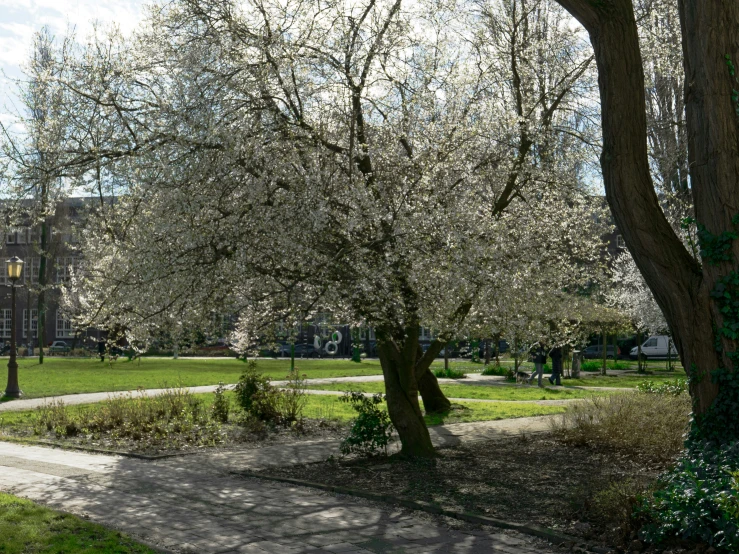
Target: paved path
<point x="195" y="504"/>
<point x="473" y="379"/>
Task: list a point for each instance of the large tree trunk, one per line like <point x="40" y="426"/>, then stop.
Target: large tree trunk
<point x="401" y="391"/>
<point x="680" y="285"/>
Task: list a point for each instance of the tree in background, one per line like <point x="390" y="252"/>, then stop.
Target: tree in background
<point x="34" y="149"/>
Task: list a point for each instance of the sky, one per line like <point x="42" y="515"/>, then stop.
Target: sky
<point x="20" y="19"/>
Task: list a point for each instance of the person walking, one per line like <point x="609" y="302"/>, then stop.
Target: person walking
<point x="556" y="355"/>
<point x="540" y="358"/>
<point x="101" y="350"/>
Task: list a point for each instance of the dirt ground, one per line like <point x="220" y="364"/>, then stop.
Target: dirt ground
<point x="525" y="479"/>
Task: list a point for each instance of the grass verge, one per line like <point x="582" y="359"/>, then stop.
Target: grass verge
<point x="27" y="527"/>
<point x="59" y="376"/>
<point x="482" y="392"/>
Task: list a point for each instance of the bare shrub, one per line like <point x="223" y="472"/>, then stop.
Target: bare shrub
<point x="292" y="399"/>
<point x="172" y="419"/>
<point x="649" y="426"/>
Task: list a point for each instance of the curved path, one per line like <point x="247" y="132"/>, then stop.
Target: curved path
<point x="197" y="504"/>
<point x="473" y="379"/>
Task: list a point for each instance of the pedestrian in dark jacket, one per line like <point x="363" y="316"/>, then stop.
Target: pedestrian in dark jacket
<point x="101" y="350"/>
<point x="540" y="358"/>
<point x="556" y="355"/>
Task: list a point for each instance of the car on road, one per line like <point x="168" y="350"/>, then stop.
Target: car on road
<point x="596" y="351"/>
<point x="655" y="347"/>
<point x="59" y="346"/>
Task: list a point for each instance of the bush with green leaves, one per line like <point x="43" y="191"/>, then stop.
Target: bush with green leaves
<point x="372" y="430"/>
<point x="221" y="407"/>
<point x="675" y="388"/>
<point x="449" y="373"/>
<point x="251" y="384"/>
<point x="259" y="399"/>
<point x="698" y="499"/>
<point x="502" y="371"/>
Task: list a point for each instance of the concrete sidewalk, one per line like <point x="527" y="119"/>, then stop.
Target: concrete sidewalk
<point x="195" y="504"/>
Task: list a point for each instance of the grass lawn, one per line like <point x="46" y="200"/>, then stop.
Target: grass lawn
<point x="28" y="527"/>
<point x="626" y="381"/>
<point x="330" y="407"/>
<point x="77" y="375"/>
<point x="486" y="392"/>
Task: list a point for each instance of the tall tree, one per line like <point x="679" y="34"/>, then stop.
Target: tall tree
<point x="35" y="181"/>
<point x="391" y="164"/>
<point x="697" y="299"/>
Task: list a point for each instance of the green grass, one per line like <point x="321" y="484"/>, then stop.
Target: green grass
<point x="484" y="392"/>
<point x="27" y="527"/>
<point x="329" y="407"/>
<point x="625" y="381"/>
<point x="78" y="375"/>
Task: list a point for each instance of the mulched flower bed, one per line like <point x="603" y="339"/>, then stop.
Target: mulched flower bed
<point x="525" y="479"/>
<point x="233" y="436"/>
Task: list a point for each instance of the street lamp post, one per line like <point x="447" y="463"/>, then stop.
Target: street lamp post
<point x="15" y="268"/>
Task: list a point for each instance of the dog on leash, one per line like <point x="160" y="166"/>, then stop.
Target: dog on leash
<point x="522" y="377"/>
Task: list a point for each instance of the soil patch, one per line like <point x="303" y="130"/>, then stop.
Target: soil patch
<point x="522" y="479"/>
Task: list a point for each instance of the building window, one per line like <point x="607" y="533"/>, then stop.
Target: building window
<point x="34" y="323"/>
<point x="620" y="242"/>
<point x="10" y="237"/>
<point x="64" y="328"/>
<point x="6" y="323"/>
<point x="64" y="269"/>
<point x="21" y="236"/>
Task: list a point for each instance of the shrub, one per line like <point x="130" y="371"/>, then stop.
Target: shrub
<point x="675" y="388"/>
<point x="498" y="370"/>
<point x="372" y="430"/>
<point x="251" y="383"/>
<point x="259" y="399"/>
<point x="292" y="399"/>
<point x="644" y="425"/>
<point x="221" y="407"/>
<point x="171" y="419"/>
<point x="698" y="499"/>
<point x="616" y="503"/>
<point x="450" y="373"/>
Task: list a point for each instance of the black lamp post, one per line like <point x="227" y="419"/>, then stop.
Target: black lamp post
<point x="15" y="269"/>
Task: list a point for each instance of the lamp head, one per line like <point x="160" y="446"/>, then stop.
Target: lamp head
<point x="15" y="268"/>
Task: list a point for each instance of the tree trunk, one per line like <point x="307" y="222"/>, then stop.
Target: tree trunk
<point x="434" y="400"/>
<point x="401" y="391"/>
<point x="42" y="279"/>
<point x="681" y="286"/>
<point x="605" y="352"/>
<point x="640" y="363"/>
<point x="487" y="352"/>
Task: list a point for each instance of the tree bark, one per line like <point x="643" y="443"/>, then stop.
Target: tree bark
<point x="434" y="400"/>
<point x="401" y="391"/>
<point x="681" y="286"/>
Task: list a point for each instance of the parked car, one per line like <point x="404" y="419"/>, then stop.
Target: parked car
<point x="59" y="346"/>
<point x="301" y="351"/>
<point x="655" y="348"/>
<point x="596" y="351"/>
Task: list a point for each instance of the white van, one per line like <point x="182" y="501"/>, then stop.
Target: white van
<point x="655" y="347"/>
